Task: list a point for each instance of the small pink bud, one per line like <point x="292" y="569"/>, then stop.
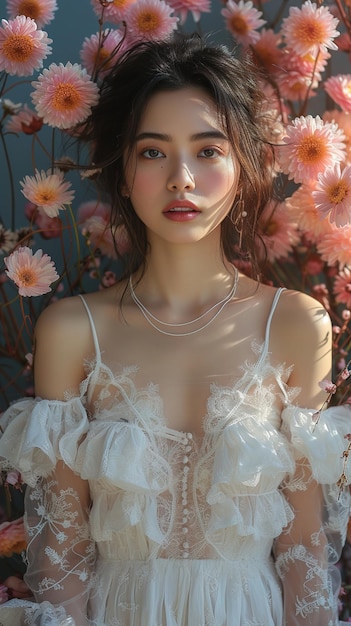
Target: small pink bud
<point x="328" y="386"/>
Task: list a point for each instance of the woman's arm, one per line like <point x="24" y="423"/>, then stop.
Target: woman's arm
<point x="304" y="552"/>
<point x="60" y="551"/>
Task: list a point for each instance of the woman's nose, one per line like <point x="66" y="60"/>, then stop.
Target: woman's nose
<point x="181" y="178"/>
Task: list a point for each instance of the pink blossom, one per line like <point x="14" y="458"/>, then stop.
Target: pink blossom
<point x="328" y="386"/>
<point x="49" y="191"/>
<point x="64" y="94"/>
<point x="334" y="246"/>
<point x="48" y="227"/>
<point x="196" y="7"/>
<point x="267" y="52"/>
<point x="298" y="77"/>
<point x="42" y="11"/>
<point x="310" y="29"/>
<point x="94" y="222"/>
<point x="311" y="145"/>
<point x="13" y="478"/>
<point x="332" y="194"/>
<point x="24" y="121"/>
<point x="114" y="12"/>
<point x="243" y="21"/>
<point x="109" y="278"/>
<point x="278" y="232"/>
<point x="150" y="20"/>
<point x="314" y="265"/>
<point x="303" y="210"/>
<point x="343" y="120"/>
<point x="100" y="51"/>
<point x="22" y="46"/>
<point x="342" y="287"/>
<point x="32" y="273"/>
<point x="339" y="89"/>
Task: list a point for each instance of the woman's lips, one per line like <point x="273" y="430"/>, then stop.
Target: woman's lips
<point x="181" y="211"/>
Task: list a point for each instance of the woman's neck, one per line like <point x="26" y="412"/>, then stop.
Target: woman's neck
<point x="184" y="280"/>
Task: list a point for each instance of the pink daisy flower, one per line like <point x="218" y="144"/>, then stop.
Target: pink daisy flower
<point x="24" y="121"/>
<point x="298" y="76"/>
<point x="32" y="273"/>
<point x="150" y="20"/>
<point x="243" y="20"/>
<point x="196" y="7"/>
<point x="339" y="89"/>
<point x="42" y="11"/>
<point x="22" y="46"/>
<point x="94" y="222"/>
<point x="311" y="145"/>
<point x="114" y="12"/>
<point x="304" y="212"/>
<point x="343" y="120"/>
<point x="278" y="232"/>
<point x="332" y="195"/>
<point x="266" y="50"/>
<point x="342" y="287"/>
<point x="48" y="191"/>
<point x="64" y="94"/>
<point x="310" y="29"/>
<point x="99" y="52"/>
<point x="335" y="246"/>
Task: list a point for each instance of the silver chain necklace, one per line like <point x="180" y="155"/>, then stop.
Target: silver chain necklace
<point x="149" y="316"/>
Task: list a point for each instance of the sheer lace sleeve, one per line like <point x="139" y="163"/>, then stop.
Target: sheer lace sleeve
<point x="60" y="552"/>
<point x="307" y="551"/>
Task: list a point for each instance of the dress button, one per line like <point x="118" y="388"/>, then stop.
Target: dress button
<point x="185" y="460"/>
<point x="185" y="555"/>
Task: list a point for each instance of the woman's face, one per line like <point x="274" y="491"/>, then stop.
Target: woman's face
<point x="182" y="175"/>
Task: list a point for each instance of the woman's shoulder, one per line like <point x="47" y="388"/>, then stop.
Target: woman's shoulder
<point x="63" y="343"/>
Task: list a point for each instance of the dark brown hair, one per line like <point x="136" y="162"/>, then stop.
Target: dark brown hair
<point x="234" y="86"/>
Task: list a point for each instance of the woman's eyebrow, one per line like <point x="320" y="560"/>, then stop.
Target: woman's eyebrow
<point x="207" y="134"/>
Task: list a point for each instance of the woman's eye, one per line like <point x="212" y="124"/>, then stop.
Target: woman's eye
<point x="209" y="153"/>
<point x="152" y="153"/>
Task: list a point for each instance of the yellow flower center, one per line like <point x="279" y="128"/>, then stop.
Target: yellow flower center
<point x="311" y="31"/>
<point x="239" y="25"/>
<point x="270" y="228"/>
<point x="27" y="277"/>
<point x="147" y="21"/>
<point x="30" y="8"/>
<point x="66" y="97"/>
<point x="101" y="56"/>
<point x="121" y="4"/>
<point x="338" y="192"/>
<point x="311" y="150"/>
<point x="45" y="196"/>
<point x="18" y="48"/>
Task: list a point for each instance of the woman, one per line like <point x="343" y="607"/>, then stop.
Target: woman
<point x="173" y="478"/>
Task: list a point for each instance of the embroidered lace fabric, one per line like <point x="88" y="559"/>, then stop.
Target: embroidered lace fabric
<point x="182" y="530"/>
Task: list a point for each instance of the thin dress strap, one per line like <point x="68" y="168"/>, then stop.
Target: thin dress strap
<point x="268" y="325"/>
<point x="93" y="332"/>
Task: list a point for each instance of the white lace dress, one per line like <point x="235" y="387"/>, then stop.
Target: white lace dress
<point x="181" y="531"/>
